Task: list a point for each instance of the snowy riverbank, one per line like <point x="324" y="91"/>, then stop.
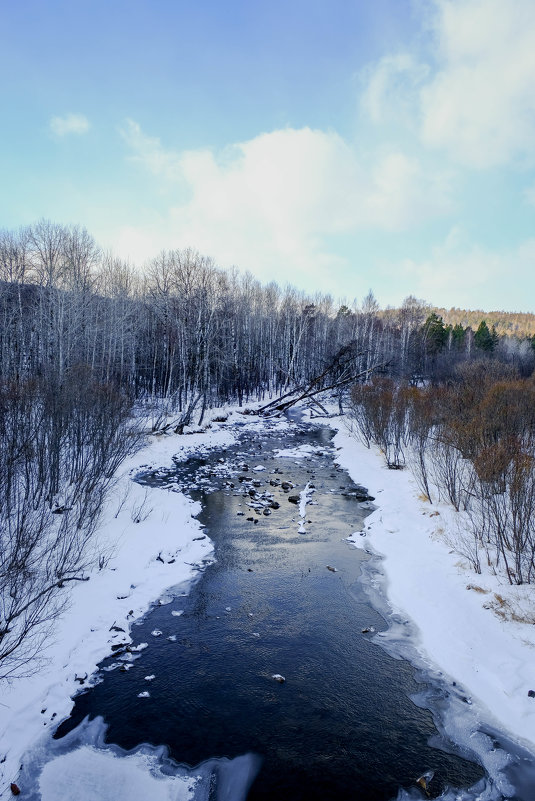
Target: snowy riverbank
<point x="466" y="622"/>
<point x="425" y="580"/>
<point x="153" y="543"/>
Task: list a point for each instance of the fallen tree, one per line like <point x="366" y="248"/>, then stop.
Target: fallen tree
<point x="340" y="372"/>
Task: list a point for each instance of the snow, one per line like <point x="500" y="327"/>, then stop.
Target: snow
<point x="143" y="560"/>
<point x="82" y="766"/>
<point x="97" y="775"/>
<point x="426" y="581"/>
<point x="304" y="498"/>
<point x="301" y="452"/>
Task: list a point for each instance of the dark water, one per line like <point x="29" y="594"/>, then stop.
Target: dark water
<point x="342" y="725"/>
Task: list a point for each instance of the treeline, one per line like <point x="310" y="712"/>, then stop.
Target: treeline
<point x="520" y="324"/>
<point x="196" y="336"/>
<point x="470" y="442"/>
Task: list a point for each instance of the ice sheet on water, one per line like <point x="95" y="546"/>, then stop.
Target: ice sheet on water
<point x="482" y="791"/>
<point x="80" y="765"/>
<point x="510" y="768"/>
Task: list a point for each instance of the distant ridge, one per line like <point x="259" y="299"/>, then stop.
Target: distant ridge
<point x="519" y="324"/>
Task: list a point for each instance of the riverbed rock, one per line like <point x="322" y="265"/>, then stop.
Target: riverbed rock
<point x="531" y="693"/>
<point x="293" y="498"/>
<point x="424" y="780"/>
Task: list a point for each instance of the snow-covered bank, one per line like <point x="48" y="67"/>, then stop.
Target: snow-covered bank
<point x="466" y="622"/>
<point x="425" y="580"/>
<point x="149" y="542"/>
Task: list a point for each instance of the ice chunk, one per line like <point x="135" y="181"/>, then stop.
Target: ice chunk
<point x="88" y="774"/>
<point x="82" y="766"/>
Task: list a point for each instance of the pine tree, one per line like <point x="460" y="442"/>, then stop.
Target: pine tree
<point x="435" y="333"/>
<point x="484" y="339"/>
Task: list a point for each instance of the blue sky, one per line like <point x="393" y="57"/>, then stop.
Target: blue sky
<point x="340" y="146"/>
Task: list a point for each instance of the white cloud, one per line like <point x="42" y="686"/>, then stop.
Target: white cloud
<point x="268" y="204"/>
<point x="69" y="124"/>
<point x="391" y="89"/>
<point x="463" y="274"/>
<point x="477" y="101"/>
<point x="148" y="151"/>
<point x="480" y="105"/>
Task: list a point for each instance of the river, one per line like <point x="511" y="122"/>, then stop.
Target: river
<point x="284" y="599"/>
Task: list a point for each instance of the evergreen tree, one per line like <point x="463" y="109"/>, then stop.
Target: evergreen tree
<point x="435" y="333"/>
<point x="457" y="336"/>
<point x="484" y="339"/>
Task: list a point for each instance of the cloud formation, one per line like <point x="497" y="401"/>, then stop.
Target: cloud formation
<point x="269" y="203"/>
<point x="69" y="124"/>
<point x="473" y="97"/>
<point x="457" y="271"/>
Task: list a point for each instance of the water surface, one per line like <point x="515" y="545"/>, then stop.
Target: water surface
<point x="342" y="725"/>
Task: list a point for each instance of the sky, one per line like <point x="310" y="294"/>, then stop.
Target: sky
<point x="337" y="145"/>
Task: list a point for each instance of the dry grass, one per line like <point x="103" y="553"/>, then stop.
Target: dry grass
<point x="514" y="609"/>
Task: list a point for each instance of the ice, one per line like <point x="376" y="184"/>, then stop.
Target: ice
<point x="301" y="452"/>
<point x="482" y="791"/>
<point x="304" y="498"/>
<point x="93" y="775"/>
<point x="81" y="766"/>
<point x="425" y="581"/>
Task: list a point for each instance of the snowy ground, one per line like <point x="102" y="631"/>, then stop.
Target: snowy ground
<point x="464" y="620"/>
<point x="150" y="537"/>
<point x="452" y="608"/>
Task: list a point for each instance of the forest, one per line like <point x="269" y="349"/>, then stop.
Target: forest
<point x="93" y="353"/>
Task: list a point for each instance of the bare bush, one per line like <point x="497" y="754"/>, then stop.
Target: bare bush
<point x="60" y="448"/>
<point x="380" y="410"/>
